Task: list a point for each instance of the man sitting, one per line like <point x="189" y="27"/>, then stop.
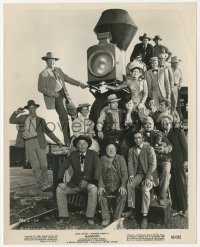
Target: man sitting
<point x="112" y="181"/>
<point x="86" y="167"/>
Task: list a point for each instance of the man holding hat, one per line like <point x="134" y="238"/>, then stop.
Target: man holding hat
<point x="113" y="179"/>
<point x="32" y="134"/>
<point x="143" y="48"/>
<point x="110" y="122"/>
<point x="177" y="73"/>
<point x="51" y="83"/>
<point x="86" y="167"/>
<point x="158" y="82"/>
<point x="160" y="49"/>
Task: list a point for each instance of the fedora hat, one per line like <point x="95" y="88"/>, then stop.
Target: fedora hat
<point x="164" y="115"/>
<point x="82" y="137"/>
<point x="31" y="103"/>
<point x="110" y="140"/>
<point x="157" y="37"/>
<point x="144" y="36"/>
<point x="175" y="59"/>
<point x="112" y="98"/>
<point x="50" y="55"/>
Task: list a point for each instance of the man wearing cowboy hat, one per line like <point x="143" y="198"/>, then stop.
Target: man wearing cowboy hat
<point x="33" y="131"/>
<point x="158" y="48"/>
<point x="113" y="179"/>
<point x="177" y="74"/>
<point x="143" y="48"/>
<point x="110" y="121"/>
<point x="86" y="167"/>
<point x="158" y="82"/>
<point x="51" y="83"/>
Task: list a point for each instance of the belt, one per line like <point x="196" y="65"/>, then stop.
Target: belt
<point x="27" y="139"/>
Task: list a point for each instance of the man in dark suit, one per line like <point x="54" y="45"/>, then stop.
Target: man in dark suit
<point x="141" y="165"/>
<point x="51" y="83"/>
<point x="32" y="130"/>
<point x="143" y="48"/>
<point x="86" y="171"/>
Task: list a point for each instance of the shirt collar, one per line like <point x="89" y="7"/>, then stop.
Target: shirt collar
<point x="141" y="146"/>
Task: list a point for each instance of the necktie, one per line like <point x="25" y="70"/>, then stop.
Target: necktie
<point x="82" y="157"/>
<point x="30" y="123"/>
<point x="55" y="74"/>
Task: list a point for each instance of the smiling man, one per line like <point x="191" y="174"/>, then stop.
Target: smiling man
<point x="51" y="83"/>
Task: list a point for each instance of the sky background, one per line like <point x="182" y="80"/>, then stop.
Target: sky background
<point x="30" y="31"/>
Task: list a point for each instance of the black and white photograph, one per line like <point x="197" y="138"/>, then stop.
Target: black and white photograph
<point x="99" y="123"/>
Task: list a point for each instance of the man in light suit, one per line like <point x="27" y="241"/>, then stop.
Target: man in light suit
<point x="158" y="82"/>
<point x="51" y="83"/>
<point x="143" y="48"/>
<point x="86" y="167"/>
<point x="141" y="165"/>
<point x="32" y="130"/>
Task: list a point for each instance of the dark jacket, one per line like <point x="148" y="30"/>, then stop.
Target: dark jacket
<point x="41" y="129"/>
<point x="91" y="168"/>
<point x="146" y="54"/>
<point x="120" y="167"/>
<point x="179" y="152"/>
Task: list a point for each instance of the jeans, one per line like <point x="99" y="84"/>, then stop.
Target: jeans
<point x="62" y="199"/>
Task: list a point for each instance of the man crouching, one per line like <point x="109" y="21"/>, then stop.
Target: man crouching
<point x="141" y="165"/>
<point x="86" y="167"/>
<point x="112" y="181"/>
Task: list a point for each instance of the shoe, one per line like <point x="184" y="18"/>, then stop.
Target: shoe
<point x="129" y="214"/>
<point x="63" y="220"/>
<point x="105" y="222"/>
<point x="90" y="222"/>
<point x="144" y="223"/>
<point x="162" y="201"/>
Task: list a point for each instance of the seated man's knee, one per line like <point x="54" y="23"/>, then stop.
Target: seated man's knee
<point x="92" y="189"/>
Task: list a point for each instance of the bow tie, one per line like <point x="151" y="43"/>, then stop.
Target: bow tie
<point x="139" y="147"/>
<point x="154" y="70"/>
<point x="162" y="66"/>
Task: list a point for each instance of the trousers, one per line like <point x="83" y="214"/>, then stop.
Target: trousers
<point x="120" y="204"/>
<point x="138" y="179"/>
<point x="38" y="161"/>
<point x="63" y="204"/>
<point x="164" y="177"/>
<point x="64" y="108"/>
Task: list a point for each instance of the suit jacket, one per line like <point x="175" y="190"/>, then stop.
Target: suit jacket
<point x="160" y="81"/>
<point x="47" y="85"/>
<point x="146" y="54"/>
<point x="41" y="129"/>
<point x="147" y="158"/>
<point x="91" y="168"/>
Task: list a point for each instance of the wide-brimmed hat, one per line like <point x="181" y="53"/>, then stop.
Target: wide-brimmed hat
<point x="31" y="103"/>
<point x="112" y="98"/>
<point x="50" y="55"/>
<point x="110" y="140"/>
<point x="164" y="115"/>
<point x="157" y="37"/>
<point x="144" y="36"/>
<point x="82" y="137"/>
<point x="134" y="65"/>
<point x="153" y="59"/>
<point x="80" y="106"/>
<point x="175" y="59"/>
<point x="148" y="120"/>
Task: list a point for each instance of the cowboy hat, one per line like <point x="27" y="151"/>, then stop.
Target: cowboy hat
<point x="112" y="98"/>
<point x="175" y="59"/>
<point x="50" y="55"/>
<point x="164" y="115"/>
<point x="80" y="106"/>
<point x="157" y="37"/>
<point x="31" y="103"/>
<point x="82" y="137"/>
<point x="110" y="140"/>
<point x="144" y="36"/>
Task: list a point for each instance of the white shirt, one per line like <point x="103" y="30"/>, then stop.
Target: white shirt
<point x="139" y="149"/>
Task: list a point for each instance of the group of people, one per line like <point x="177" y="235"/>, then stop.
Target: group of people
<point x="139" y="145"/>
